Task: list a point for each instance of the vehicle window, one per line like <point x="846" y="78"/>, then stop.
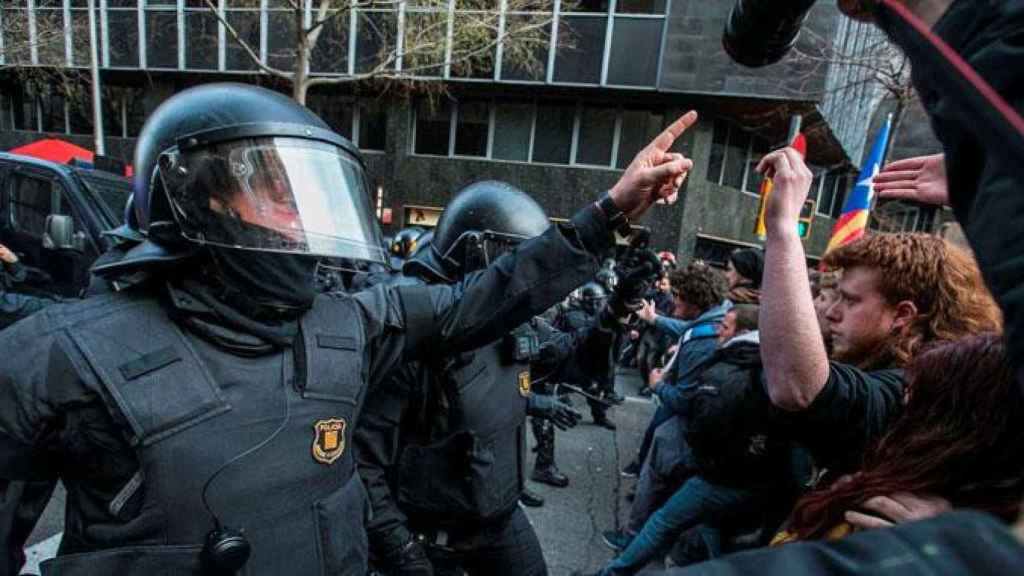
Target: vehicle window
<point x="112" y="192"/>
<point x="31" y="201"/>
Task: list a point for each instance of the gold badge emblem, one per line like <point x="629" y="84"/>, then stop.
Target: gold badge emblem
<point x="524" y="382"/>
<point x="329" y="441"/>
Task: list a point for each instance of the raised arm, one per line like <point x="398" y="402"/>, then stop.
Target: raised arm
<point x="792" y="349"/>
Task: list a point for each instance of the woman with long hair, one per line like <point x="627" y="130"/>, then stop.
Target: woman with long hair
<point x="958" y="439"/>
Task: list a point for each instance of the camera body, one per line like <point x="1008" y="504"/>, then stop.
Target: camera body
<point x="762" y="32"/>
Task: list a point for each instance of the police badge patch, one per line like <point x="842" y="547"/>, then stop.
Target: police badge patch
<point x="329" y="441"/>
<point x="524" y="382"/>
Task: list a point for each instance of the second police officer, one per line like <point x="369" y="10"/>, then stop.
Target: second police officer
<point x="202" y="420"/>
<point x="441" y="444"/>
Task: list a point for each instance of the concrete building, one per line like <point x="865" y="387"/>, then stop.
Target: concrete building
<point x="613" y="73"/>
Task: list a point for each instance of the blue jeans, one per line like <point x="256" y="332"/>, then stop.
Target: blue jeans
<point x="696" y="502"/>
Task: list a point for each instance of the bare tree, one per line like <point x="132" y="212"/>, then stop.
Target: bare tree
<point x="433" y="39"/>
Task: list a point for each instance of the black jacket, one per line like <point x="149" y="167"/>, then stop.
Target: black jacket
<point x="57" y="421"/>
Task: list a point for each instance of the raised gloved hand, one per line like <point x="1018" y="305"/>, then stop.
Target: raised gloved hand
<point x="551" y="408"/>
<point x="408" y="560"/>
<point x="644" y="267"/>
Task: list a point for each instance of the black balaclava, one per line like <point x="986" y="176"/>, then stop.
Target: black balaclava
<point x="749" y="262"/>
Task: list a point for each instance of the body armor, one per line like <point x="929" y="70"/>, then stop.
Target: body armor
<point x="469" y="467"/>
<point x="175" y="392"/>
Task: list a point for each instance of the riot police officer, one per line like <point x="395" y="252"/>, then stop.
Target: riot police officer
<point x="582" y="315"/>
<point x="440" y="445"/>
<point x="202" y="420"/>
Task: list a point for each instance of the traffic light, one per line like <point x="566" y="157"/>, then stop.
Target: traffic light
<point x="803" y="224"/>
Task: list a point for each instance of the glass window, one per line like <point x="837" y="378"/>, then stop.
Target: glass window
<point x="281" y="41"/>
<point x="31" y="202"/>
<point x="638" y="128"/>
<point x="161" y="39"/>
<point x="633" y="60"/>
<point x="123" y="34"/>
<point x="589" y="6"/>
<point x="424" y="43"/>
<point x="842" y="187"/>
<point x="373" y="125"/>
<point x="472" y="120"/>
<point x="80" y="114"/>
<point x="136" y="113"/>
<point x="80" y="36"/>
<point x="433" y="127"/>
<point x="716" y="160"/>
<point x="639" y="7"/>
<point x="579" y="58"/>
<point x="525" y="54"/>
<point x="52" y="109"/>
<point x="736" y="158"/>
<point x="759" y="148"/>
<point x="828" y="193"/>
<point x="552" y="142"/>
<point x="25" y="113"/>
<point x="16" y="37"/>
<point x="330" y="55"/>
<point x="473" y="53"/>
<point x="597" y="130"/>
<point x="50" y="35"/>
<point x="247" y="24"/>
<point x="512" y="124"/>
<point x="375" y="39"/>
<point x="200" y="40"/>
<point x="335" y="111"/>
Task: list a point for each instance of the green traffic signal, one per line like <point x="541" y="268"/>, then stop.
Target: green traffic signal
<point x="803" y="229"/>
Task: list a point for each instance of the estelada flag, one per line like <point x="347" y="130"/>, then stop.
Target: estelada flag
<point x="853" y="222"/>
<point x="800" y="144"/>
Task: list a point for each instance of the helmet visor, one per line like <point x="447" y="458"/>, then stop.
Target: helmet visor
<point x="273" y="194"/>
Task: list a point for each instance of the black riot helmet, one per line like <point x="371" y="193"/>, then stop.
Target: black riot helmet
<point x="484" y="220"/>
<point x="406" y="241"/>
<point x="592" y="297"/>
<point x="241" y="167"/>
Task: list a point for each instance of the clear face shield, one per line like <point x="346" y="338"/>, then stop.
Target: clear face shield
<point x="479" y="250"/>
<point x="274" y="194"/>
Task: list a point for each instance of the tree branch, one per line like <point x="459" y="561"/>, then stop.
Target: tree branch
<point x="245" y="45"/>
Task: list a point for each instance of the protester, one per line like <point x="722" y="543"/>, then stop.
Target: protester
<point x="699" y="293"/>
<point x="744" y="271"/>
<point x="957" y="444"/>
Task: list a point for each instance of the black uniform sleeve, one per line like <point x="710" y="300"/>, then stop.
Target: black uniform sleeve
<point x="377" y="442"/>
<point x="406" y="321"/>
<point x="950" y="545"/>
<point x="852" y="410"/>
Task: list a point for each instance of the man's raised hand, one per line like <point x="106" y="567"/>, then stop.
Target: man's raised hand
<point x="922" y="179"/>
<point x="655" y="173"/>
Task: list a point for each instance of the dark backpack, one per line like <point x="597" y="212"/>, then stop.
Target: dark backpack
<point x="729" y="420"/>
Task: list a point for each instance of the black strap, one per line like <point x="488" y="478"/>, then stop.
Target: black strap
<point x="419" y="314"/>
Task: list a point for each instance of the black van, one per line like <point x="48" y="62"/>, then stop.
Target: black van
<point x="53" y="215"/>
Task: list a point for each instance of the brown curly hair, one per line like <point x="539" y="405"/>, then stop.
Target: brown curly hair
<point x="699" y="284"/>
<point x="941" y="279"/>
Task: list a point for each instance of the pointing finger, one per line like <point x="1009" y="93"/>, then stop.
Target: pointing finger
<point x="665" y="140"/>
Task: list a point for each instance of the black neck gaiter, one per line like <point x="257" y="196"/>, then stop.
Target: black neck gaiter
<point x="277" y="282"/>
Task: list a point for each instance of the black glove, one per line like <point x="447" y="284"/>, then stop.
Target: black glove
<point x="410" y="559"/>
<point x="634" y="281"/>
<point x="553" y="409"/>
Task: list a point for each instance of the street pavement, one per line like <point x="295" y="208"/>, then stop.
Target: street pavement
<point x="570" y="523"/>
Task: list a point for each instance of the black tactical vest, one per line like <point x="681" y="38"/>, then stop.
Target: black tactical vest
<point x="474" y="472"/>
<point x="190" y="407"/>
